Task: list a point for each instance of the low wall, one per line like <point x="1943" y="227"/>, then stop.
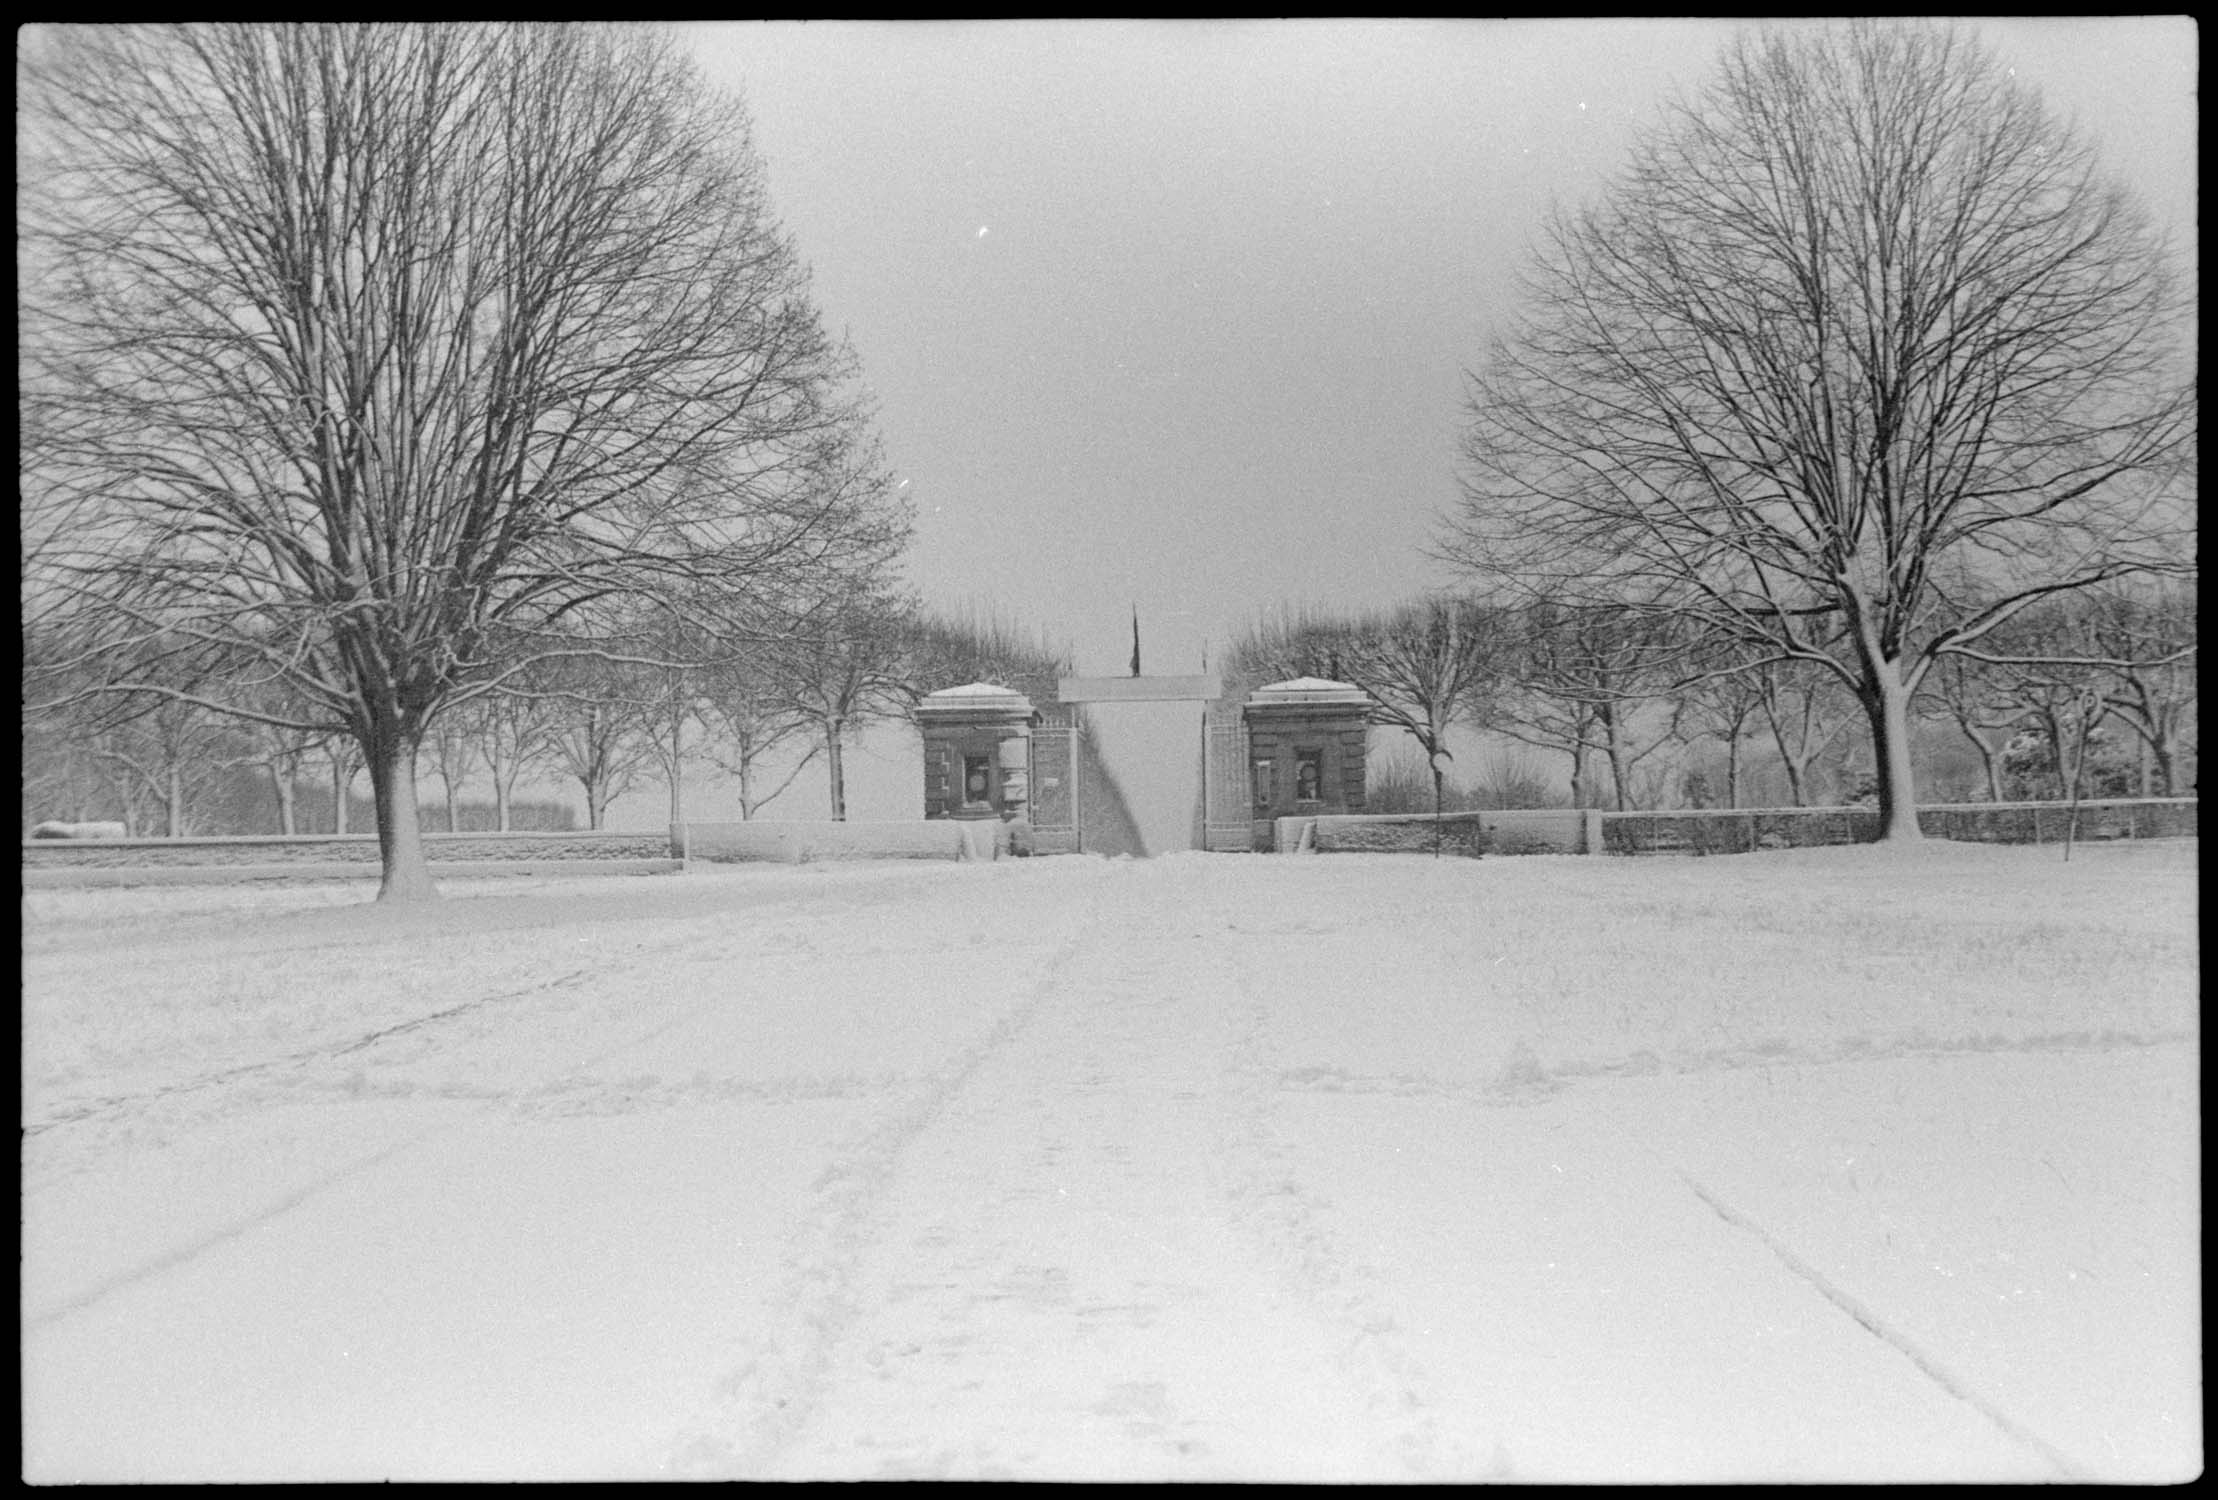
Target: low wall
<point x="1741" y="831"/>
<point x="801" y="843"/>
<point x="338" y="849"/>
<point x="1510" y="831"/>
<point x="85" y="877"/>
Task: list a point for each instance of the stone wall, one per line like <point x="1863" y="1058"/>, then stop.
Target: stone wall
<point x="1385" y="835"/>
<point x="1513" y="831"/>
<point x="801" y="843"/>
<point x="1744" y="830"/>
<point x="328" y="849"/>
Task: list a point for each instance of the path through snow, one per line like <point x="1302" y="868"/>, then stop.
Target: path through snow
<point x="1343" y="1169"/>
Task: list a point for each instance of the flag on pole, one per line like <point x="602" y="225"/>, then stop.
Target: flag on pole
<point x="1135" y="640"/>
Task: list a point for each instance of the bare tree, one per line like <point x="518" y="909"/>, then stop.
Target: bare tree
<point x="1285" y="644"/>
<point x="367" y="349"/>
<point x="450" y="747"/>
<point x="513" y="731"/>
<point x="1428" y="666"/>
<point x="947" y="649"/>
<point x="2148" y="639"/>
<point x="343" y="755"/>
<point x="2072" y="666"/>
<point x="1860" y="316"/>
<point x="600" y="713"/>
<point x="1802" y="706"/>
<point x="1594" y="682"/>
<point x="1970" y="696"/>
<point x="844" y="665"/>
<point x="281" y="753"/>
<point x="747" y="725"/>
<point x="1722" y="701"/>
<point x="160" y="757"/>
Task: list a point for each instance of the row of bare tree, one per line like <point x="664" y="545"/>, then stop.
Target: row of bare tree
<point x="759" y="716"/>
<point x="2075" y="676"/>
<point x="1855" y="376"/>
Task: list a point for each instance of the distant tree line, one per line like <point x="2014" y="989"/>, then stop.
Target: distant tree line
<point x="759" y="713"/>
<point x="2090" y="693"/>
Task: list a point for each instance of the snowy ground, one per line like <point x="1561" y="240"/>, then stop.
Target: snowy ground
<point x="1831" y="1164"/>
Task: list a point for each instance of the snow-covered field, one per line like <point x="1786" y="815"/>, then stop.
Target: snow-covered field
<point x="1846" y="1164"/>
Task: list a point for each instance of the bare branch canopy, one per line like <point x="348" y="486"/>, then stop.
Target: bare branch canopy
<point x="1859" y="357"/>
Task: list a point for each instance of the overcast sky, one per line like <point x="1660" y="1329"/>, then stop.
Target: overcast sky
<point x="1175" y="314"/>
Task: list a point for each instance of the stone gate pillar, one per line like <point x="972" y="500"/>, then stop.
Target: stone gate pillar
<point x="1306" y="743"/>
<point x="977" y="752"/>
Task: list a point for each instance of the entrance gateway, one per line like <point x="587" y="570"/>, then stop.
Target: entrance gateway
<point x="1295" y="749"/>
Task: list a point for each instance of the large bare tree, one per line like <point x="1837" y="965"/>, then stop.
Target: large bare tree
<point x="392" y="356"/>
<point x="1859" y="317"/>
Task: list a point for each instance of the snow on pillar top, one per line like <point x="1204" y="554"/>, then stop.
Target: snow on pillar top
<point x="1311" y="693"/>
<point x="974" y="702"/>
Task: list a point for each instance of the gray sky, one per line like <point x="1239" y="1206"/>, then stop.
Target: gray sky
<point x="1175" y="313"/>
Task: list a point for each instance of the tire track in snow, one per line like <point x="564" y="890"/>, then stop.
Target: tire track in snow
<point x="684" y="949"/>
<point x="1297" y="1246"/>
<point x="179" y="1255"/>
<point x="1068" y="1276"/>
<point x="1527" y="1079"/>
<point x="171" y="1259"/>
<point x="192" y="1250"/>
<point x="308" y="1056"/>
<point x="764" y="1400"/>
<point x="1929" y="1366"/>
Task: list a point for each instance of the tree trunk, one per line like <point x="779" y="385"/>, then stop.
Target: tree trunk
<point x="837" y="767"/>
<point x="1795" y="793"/>
<point x="502" y="790"/>
<point x="746" y="787"/>
<point x="677" y="744"/>
<point x="1733" y="771"/>
<point x="400" y="838"/>
<point x="1886" y="704"/>
<point x="2084" y="717"/>
<point x="453" y="823"/>
<point x="342" y="783"/>
<point x="176" y="798"/>
<point x="281" y="780"/>
<point x="1613" y="750"/>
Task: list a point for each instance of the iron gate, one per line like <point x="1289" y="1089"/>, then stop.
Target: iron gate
<point x="1054" y="779"/>
<point x="1226" y="815"/>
